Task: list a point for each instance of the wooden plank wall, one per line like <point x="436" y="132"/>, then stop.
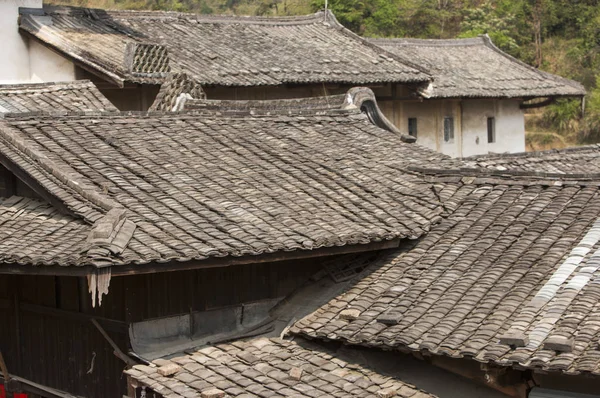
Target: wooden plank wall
<point x="58" y="348"/>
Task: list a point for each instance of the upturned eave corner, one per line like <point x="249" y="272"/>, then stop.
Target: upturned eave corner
<point x="363" y="98"/>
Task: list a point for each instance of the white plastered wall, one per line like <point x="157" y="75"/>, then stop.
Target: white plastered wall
<point x="14" y="65"/>
<point x="48" y="66"/>
<point x="23" y="59"/>
<point x="509" y="130"/>
<point x="430" y="122"/>
<point x="470" y="124"/>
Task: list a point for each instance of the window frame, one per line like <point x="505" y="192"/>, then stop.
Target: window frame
<point x="448" y="131"/>
<point x="491" y="129"/>
<point x="415" y="125"/>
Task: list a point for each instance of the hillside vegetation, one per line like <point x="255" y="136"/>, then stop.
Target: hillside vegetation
<point x="559" y="36"/>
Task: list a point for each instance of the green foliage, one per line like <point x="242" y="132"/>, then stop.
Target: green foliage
<point x="488" y="20"/>
<point x="563" y="115"/>
<point x="591" y="121"/>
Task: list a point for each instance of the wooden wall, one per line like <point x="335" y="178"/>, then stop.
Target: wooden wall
<point x="49" y="338"/>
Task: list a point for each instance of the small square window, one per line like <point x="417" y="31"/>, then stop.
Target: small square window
<point x="448" y="129"/>
<point x="491" y="129"/>
<point x="412" y="126"/>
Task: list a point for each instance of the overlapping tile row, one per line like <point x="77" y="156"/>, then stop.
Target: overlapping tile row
<point x="309" y="105"/>
<point x="494" y="266"/>
<point x="80" y="95"/>
<point x="231" y="51"/>
<point x="580" y="160"/>
<point x="266" y="368"/>
<point x="200" y="186"/>
<point x="476" y="68"/>
<point x="33" y="232"/>
<point x="169" y="97"/>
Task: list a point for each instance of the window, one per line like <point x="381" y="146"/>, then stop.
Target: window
<point x="448" y="129"/>
<point x="412" y="126"/>
<point x="491" y="129"/>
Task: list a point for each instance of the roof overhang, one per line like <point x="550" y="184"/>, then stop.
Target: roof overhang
<point x="156" y="267"/>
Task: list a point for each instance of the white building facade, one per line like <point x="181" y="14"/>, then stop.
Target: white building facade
<point x="461" y="128"/>
<point x="475" y="103"/>
<point x="24" y="59"/>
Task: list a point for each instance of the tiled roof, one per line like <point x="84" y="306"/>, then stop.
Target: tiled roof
<point x="33" y="232"/>
<point x="216" y="50"/>
<point x="476" y="68"/>
<point x="208" y="185"/>
<point x="282" y="106"/>
<point x="511" y="276"/>
<point x="79" y="95"/>
<point x="580" y="160"/>
<point x="264" y="368"/>
<point x="169" y="97"/>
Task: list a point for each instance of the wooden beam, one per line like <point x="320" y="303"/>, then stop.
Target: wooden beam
<point x="47" y="270"/>
<point x="4" y="369"/>
<point x="35" y="388"/>
<point x="110" y="324"/>
<point x="546" y="102"/>
<point x="263" y="258"/>
<point x="117" y="351"/>
<point x="154" y="267"/>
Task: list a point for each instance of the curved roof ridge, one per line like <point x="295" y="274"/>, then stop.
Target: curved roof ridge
<point x="476" y="68"/>
<point x="98" y="13"/>
<point x="476" y="172"/>
<point x="49" y="86"/>
<point x="581" y="148"/>
<point x="380" y="50"/>
<point x="400" y="41"/>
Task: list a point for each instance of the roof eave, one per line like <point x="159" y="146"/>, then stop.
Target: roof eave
<point x="175" y="265"/>
<point x="91" y="67"/>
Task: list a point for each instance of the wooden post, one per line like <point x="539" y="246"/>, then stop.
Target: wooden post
<point x="17" y="311"/>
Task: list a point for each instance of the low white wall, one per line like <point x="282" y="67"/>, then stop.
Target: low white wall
<point x="48" y="66"/>
<point x="25" y="60"/>
<point x="470" y="124"/>
<point x="430" y="122"/>
<point x="14" y="65"/>
<point x="509" y="130"/>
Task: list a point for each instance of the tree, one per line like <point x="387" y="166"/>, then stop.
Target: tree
<point x="486" y="20"/>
